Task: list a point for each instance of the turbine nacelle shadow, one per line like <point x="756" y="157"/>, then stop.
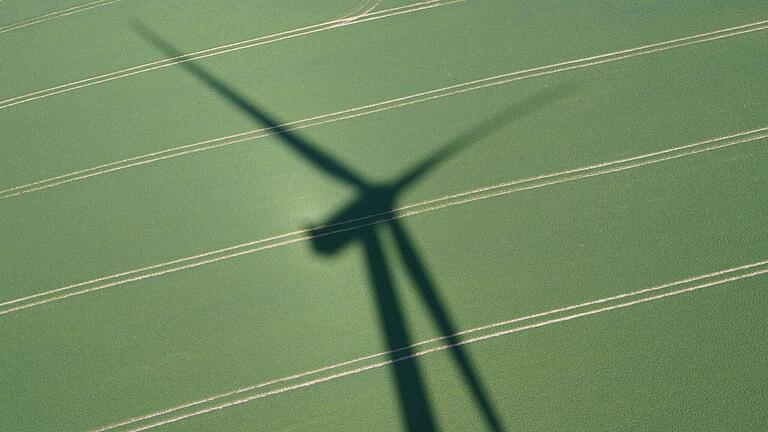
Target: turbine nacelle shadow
<point x="341" y="228"/>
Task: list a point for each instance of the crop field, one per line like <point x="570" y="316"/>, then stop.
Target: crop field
<point x="383" y="215"/>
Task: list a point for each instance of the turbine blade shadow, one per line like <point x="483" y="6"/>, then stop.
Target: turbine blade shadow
<point x="411" y="390"/>
<point x="309" y="152"/>
<point x="519" y="110"/>
<point x="431" y="297"/>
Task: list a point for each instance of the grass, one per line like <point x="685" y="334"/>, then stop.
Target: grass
<point x="688" y="362"/>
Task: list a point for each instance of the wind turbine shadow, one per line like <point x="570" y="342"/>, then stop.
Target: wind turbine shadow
<point x="380" y="199"/>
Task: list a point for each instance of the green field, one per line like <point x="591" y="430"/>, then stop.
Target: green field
<point x="394" y="215"/>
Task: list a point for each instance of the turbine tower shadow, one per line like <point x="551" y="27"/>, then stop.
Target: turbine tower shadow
<point x="377" y="201"/>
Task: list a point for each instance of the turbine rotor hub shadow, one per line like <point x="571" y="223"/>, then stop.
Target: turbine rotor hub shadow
<point x="356" y="220"/>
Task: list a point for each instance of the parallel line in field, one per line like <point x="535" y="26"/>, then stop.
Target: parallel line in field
<point x="658" y="292"/>
<point x="364" y="9"/>
<point x="467" y="197"/>
<point x="223" y="49"/>
<point x="57" y="14"/>
<point x="377" y="107"/>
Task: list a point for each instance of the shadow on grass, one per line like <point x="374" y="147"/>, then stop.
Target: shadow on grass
<point x="380" y="199"/>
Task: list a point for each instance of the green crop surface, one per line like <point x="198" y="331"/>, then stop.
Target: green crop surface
<point x="383" y="215"/>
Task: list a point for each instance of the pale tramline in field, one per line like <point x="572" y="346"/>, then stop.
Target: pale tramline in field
<point x="56" y="14"/>
<point x="370" y="362"/>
